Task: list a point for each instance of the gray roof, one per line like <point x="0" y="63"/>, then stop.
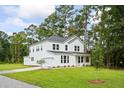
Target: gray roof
<point x="54" y="38"/>
<point x="57" y="38"/>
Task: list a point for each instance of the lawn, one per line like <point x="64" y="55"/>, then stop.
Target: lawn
<point x="11" y="66"/>
<point x="71" y="78"/>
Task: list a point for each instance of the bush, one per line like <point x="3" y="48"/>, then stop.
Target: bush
<point x="41" y="62"/>
<point x="72" y="65"/>
<point x="64" y="65"/>
<point x="54" y="67"/>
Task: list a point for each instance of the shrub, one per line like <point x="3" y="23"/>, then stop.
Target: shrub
<point x="72" y="65"/>
<point x="41" y="62"/>
<point x="64" y="65"/>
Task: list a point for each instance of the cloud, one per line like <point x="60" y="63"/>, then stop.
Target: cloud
<point x="30" y="11"/>
<point x="15" y="21"/>
<point x="14" y="24"/>
<point x="18" y="17"/>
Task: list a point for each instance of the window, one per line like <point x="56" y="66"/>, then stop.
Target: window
<point x="80" y="59"/>
<point x="87" y="59"/>
<point x="64" y="59"/>
<point x="66" y="47"/>
<point x="76" y="48"/>
<point x="33" y="49"/>
<point x="67" y="59"/>
<point x="55" y="46"/>
<point x="37" y="48"/>
<point x="32" y="58"/>
<point x="41" y="48"/>
<point x="61" y="59"/>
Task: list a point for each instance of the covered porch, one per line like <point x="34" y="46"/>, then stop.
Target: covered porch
<point x="83" y="60"/>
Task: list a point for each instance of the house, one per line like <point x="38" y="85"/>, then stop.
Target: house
<point x="58" y="51"/>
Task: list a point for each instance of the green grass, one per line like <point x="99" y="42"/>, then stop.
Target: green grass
<point x="11" y="66"/>
<point x="71" y="78"/>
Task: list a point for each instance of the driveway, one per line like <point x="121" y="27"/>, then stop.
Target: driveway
<point x="6" y="82"/>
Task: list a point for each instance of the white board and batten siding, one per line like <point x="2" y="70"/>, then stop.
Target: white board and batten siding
<point x="56" y="58"/>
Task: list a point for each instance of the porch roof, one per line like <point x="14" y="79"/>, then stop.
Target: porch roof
<point x="68" y="52"/>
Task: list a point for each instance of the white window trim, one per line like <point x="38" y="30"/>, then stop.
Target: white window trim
<point x="77" y="48"/>
<point x="55" y="46"/>
<point x="64" y="59"/>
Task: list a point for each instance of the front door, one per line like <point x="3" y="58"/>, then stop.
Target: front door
<point x="79" y="60"/>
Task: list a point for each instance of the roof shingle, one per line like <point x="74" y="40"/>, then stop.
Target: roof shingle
<point x="57" y="38"/>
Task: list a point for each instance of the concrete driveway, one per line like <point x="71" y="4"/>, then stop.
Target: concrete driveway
<point x="6" y="82"/>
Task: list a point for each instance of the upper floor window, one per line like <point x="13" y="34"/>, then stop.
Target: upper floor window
<point x="76" y="48"/>
<point x="41" y="48"/>
<point x="37" y="48"/>
<point x="66" y="47"/>
<point x="55" y="46"/>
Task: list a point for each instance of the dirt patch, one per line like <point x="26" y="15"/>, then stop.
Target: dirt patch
<point x="96" y="81"/>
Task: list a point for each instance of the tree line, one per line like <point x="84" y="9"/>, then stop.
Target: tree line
<point x="102" y="29"/>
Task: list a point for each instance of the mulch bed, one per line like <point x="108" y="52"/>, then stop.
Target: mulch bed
<point x="96" y="81"/>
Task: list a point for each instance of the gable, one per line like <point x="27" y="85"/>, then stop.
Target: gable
<point x="75" y="40"/>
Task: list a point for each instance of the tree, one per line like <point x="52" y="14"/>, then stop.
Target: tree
<point x="58" y="22"/>
<point x="17" y="41"/>
<point x="31" y="32"/>
<point x="97" y="56"/>
<point x="110" y="30"/>
<point x="83" y="24"/>
<point x="4" y="47"/>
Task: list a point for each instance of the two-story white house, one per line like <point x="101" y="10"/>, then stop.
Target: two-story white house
<point x="58" y="51"/>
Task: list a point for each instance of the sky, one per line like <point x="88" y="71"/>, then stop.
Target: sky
<point x="14" y="18"/>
